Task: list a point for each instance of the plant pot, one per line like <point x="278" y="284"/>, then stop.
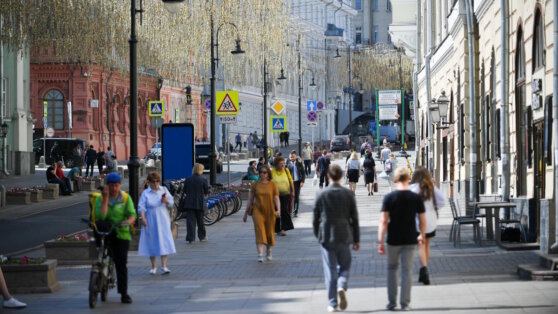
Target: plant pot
<point x="71" y="252"/>
<point x="37" y="196"/>
<point x="39" y="278"/>
<point x="19" y="198"/>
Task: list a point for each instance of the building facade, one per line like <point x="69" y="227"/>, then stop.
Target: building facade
<point x="497" y="137"/>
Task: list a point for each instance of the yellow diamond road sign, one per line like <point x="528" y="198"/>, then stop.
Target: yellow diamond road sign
<point x="278" y="107"/>
<point x="226" y="102"/>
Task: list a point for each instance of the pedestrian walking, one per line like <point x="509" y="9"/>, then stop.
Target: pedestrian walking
<point x="297" y="171"/>
<point x="100" y="160"/>
<point x="307" y="154"/>
<point x="281" y="138"/>
<point x="389" y="165"/>
<point x="385" y="142"/>
<point x="352" y="170"/>
<point x="384" y="154"/>
<point x="117" y="207"/>
<point x="156" y="235"/>
<point x="423" y="185"/>
<point x="196" y="189"/>
<point x="399" y="211"/>
<point x="261" y="162"/>
<point x="250" y="143"/>
<point x="238" y="140"/>
<point x="336" y="227"/>
<point x="244" y="140"/>
<point x="90" y="158"/>
<point x="287" y="134"/>
<point x="264" y="207"/>
<point x="322" y="165"/>
<point x="282" y="177"/>
<point x="365" y="147"/>
<point x="369" y="172"/>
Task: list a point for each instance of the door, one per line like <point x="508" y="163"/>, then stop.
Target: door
<point x="539" y="166"/>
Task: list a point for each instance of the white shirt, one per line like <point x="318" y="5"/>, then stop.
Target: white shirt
<point x="430" y="211"/>
<point x="151" y="199"/>
<point x="353" y="164"/>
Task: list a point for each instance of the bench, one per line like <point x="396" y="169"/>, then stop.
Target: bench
<point x="51" y="191"/>
<point x="89" y="185"/>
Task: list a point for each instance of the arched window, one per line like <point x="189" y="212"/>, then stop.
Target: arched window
<point x="55" y="116"/>
<point x="538" y="42"/>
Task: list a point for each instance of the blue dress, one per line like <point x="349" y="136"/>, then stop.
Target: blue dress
<point x="155" y="239"/>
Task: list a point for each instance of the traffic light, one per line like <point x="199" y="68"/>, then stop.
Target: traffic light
<point x="188" y="95"/>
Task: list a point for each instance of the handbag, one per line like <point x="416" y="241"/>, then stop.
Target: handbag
<point x="376" y="187"/>
<point x="315" y="180"/>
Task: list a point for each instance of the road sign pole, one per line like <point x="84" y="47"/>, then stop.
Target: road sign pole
<point x="228" y="156"/>
<point x="403" y="153"/>
<point x="377" y="125"/>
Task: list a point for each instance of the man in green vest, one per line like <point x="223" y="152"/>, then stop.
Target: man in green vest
<point x="116" y="207"/>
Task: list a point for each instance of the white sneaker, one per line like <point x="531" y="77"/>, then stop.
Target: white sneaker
<point x="342" y="299"/>
<point x="13" y="303"/>
<point x="331" y="308"/>
<point x="165" y="271"/>
<point x="153" y="271"/>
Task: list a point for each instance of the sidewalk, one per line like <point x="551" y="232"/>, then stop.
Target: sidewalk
<point x="223" y="275"/>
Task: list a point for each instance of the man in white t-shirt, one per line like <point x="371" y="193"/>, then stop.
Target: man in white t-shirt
<point x="384" y="155"/>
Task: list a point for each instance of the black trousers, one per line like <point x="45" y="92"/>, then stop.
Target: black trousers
<point x="296" y="196"/>
<point x="100" y="165"/>
<point x="63" y="185"/>
<point x="323" y="177"/>
<point x="119" y="250"/>
<point x="194" y="217"/>
<point x="92" y="165"/>
<point x="308" y="166"/>
<point x="285" y="222"/>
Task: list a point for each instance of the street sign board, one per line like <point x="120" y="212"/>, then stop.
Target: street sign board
<point x="312" y="116"/>
<point x="70" y="114"/>
<point x="311" y="105"/>
<point x="389" y="97"/>
<point x="94" y="103"/>
<point x="208" y="104"/>
<point x="45" y="122"/>
<point x="50" y="132"/>
<point x="388" y="112"/>
<point x="177" y="149"/>
<point x="227" y="102"/>
<point x="278" y="123"/>
<point x="312" y="124"/>
<point x="157" y="122"/>
<point x="278" y="107"/>
<point x="227" y="119"/>
<point x="156" y="108"/>
<point x="45" y="108"/>
<point x="320" y="105"/>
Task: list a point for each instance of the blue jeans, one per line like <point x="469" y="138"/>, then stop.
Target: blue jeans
<point x="337" y="263"/>
<point x="405" y="254"/>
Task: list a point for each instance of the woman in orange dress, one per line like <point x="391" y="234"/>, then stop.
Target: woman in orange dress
<point x="264" y="206"/>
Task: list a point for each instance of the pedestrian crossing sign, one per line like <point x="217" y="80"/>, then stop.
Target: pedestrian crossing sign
<point x="278" y="123"/>
<point x="157" y="108"/>
<point x="227" y="102"/>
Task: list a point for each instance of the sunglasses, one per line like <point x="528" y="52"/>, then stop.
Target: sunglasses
<point x="263" y="172"/>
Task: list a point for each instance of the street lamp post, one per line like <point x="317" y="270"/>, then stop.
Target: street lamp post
<point x="265" y="110"/>
<point x="133" y="163"/>
<point x="337" y="55"/>
<point x="313" y="85"/>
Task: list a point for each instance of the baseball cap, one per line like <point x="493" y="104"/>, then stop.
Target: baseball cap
<point x="113" y="178"/>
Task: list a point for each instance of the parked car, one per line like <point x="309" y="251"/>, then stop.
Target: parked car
<point x="155" y="151"/>
<point x="67" y="146"/>
<point x="202" y="156"/>
<point x="339" y="143"/>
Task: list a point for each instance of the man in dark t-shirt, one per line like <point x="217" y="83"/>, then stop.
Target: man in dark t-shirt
<point x="399" y="211"/>
<point x="322" y="167"/>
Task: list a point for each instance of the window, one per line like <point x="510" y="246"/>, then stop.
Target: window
<point x="55" y="113"/>
<point x="389" y="38"/>
<point x="388" y="3"/>
<point x="521" y="116"/>
<point x="375" y="5"/>
<point x="538" y="43"/>
<point x="497" y="119"/>
<point x="461" y="135"/>
<point x="445" y="158"/>
<point x="548" y="130"/>
<point x="358" y="36"/>
<point x="358" y="5"/>
<point x="5" y="100"/>
<point x="375" y="34"/>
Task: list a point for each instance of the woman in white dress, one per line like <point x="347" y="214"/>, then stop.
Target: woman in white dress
<point x="156" y="236"/>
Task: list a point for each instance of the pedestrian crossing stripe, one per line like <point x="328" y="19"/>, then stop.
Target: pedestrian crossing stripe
<point x="227" y="102"/>
<point x="278" y="123"/>
<point x="156" y="108"/>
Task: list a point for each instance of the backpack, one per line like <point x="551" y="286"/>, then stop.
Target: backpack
<point x="389" y="166"/>
<point x="93" y="197"/>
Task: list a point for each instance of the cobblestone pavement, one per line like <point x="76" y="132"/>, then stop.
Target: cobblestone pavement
<point x="223" y="275"/>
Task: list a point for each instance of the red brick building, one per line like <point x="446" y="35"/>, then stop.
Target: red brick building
<point x="94" y="92"/>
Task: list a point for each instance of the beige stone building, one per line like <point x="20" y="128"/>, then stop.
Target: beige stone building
<point x="489" y="144"/>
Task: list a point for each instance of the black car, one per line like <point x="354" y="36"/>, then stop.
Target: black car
<point x="339" y="143"/>
<point x="202" y="156"/>
<point x="66" y="145"/>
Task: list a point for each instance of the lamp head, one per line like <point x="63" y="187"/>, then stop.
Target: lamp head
<point x="282" y="76"/>
<point x="172" y="6"/>
<point x="313" y="85"/>
<point x="443" y="104"/>
<point x="434" y="113"/>
<point x="337" y="55"/>
<point x="237" y="49"/>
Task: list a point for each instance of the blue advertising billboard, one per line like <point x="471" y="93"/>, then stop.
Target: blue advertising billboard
<point x="177" y="150"/>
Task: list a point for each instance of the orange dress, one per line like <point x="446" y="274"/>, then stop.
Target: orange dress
<point x="263" y="211"/>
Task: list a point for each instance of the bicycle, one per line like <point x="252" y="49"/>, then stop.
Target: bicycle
<point x="102" y="278"/>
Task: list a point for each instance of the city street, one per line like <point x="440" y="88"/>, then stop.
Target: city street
<point x="223" y="275"/>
